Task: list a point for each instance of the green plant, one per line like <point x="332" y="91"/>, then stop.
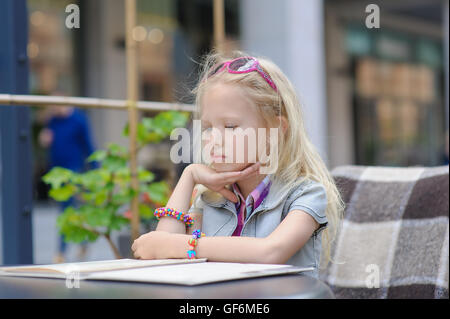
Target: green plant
<point x="105" y="192"/>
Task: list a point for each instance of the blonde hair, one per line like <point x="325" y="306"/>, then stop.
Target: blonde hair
<point x="302" y="161"/>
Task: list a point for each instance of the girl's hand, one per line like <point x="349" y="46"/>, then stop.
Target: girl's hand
<point x="152" y="245"/>
<point x="216" y="181"/>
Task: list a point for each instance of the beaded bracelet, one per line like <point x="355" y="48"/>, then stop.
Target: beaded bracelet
<point x="196" y="235"/>
<point x="167" y="211"/>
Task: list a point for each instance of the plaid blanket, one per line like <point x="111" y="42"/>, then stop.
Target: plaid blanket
<point x="394" y="239"/>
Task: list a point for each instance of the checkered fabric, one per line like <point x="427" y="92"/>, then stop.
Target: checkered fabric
<point x="394" y="239"/>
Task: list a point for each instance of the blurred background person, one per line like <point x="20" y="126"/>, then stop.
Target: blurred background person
<point x="68" y="138"/>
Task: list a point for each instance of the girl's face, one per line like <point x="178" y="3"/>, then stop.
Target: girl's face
<point x="230" y="125"/>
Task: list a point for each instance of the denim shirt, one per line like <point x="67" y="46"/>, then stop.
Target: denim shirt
<point x="220" y="217"/>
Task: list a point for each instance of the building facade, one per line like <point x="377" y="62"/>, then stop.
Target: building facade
<point x="371" y="96"/>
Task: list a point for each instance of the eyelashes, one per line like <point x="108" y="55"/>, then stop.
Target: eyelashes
<point x="228" y="126"/>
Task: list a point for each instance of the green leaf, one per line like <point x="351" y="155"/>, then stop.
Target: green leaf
<point x="162" y="124"/>
<point x="153" y="130"/>
<point x="63" y="193"/>
<point x="145" y="211"/>
<point x="96" y="216"/>
<point x="165" y="122"/>
<point x="118" y="221"/>
<point x="147" y="122"/>
<point x="180" y="119"/>
<point x="145" y="176"/>
<point x="97" y="156"/>
<point x="104" y="175"/>
<point x="125" y="130"/>
<point x="113" y="163"/>
<point x="157" y="191"/>
<point x="70" y="223"/>
<point x="57" y="176"/>
<point x="122" y="176"/>
<point x="100" y="197"/>
<point x="87" y="197"/>
<point x="76" y="178"/>
<point x="123" y="196"/>
<point x="141" y="133"/>
<point x="153" y="137"/>
<point x="95" y="179"/>
<point x="76" y="234"/>
<point x="117" y="150"/>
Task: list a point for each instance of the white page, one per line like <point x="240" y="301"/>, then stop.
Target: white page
<point x="93" y="266"/>
<point x="194" y="274"/>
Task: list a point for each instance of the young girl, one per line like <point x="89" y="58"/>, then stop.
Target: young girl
<point x="247" y="214"/>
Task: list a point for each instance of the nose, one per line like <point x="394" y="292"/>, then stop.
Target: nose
<point x="216" y="137"/>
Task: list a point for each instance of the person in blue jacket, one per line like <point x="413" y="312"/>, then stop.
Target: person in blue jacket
<point x="68" y="137"/>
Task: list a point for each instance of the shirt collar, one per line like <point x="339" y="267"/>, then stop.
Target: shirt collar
<point x="273" y="198"/>
<point x="256" y="196"/>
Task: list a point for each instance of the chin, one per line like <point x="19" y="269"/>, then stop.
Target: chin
<point x="230" y="167"/>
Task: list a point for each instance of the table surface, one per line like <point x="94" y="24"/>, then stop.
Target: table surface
<point x="288" y="286"/>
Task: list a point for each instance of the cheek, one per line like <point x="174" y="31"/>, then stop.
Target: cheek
<point x="244" y="146"/>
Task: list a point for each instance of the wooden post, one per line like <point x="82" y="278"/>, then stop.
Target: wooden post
<point x="132" y="97"/>
<point x="219" y="24"/>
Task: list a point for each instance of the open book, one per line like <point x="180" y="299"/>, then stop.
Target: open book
<point x="168" y="271"/>
<point x="86" y="269"/>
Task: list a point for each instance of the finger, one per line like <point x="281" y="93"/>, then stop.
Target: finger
<point x="229" y="177"/>
<point x="229" y="195"/>
<point x="254" y="168"/>
<point x="134" y="246"/>
<point x="245" y="173"/>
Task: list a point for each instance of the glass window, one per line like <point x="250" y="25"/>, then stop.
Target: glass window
<point x="52" y="57"/>
<point x="51" y="48"/>
<point x="398" y="104"/>
<point x="172" y="35"/>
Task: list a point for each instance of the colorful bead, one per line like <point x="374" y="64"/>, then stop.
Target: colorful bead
<point x="191" y="254"/>
<point x="192" y="242"/>
<point x="166" y="211"/>
<point x="196" y="234"/>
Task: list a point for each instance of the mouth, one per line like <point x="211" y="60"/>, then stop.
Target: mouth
<point x="217" y="157"/>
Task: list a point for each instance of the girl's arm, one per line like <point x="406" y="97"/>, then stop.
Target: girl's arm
<point x="199" y="174"/>
<point x="277" y="248"/>
<point x="179" y="200"/>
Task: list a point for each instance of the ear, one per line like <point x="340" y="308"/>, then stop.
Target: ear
<point x="284" y="123"/>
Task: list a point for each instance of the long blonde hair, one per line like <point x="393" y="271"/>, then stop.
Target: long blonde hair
<point x="298" y="159"/>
